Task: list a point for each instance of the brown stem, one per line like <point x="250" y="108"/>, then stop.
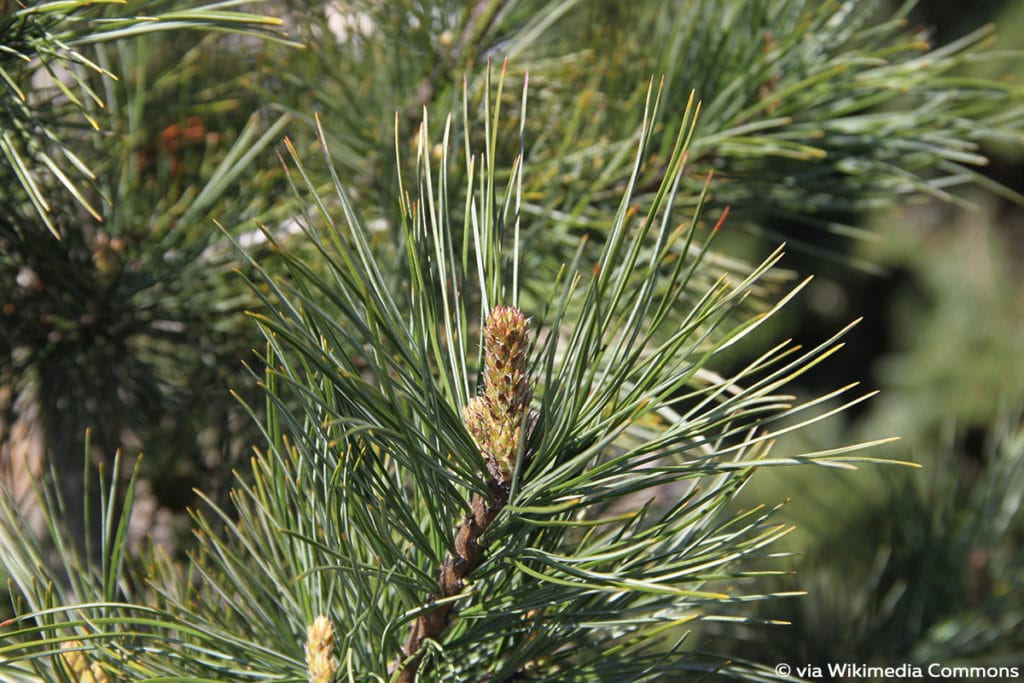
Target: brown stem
<point x="469" y="554"/>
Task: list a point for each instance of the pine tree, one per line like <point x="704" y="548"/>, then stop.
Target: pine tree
<point x="510" y="388"/>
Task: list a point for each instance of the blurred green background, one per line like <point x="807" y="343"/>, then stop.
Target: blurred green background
<point x="919" y="566"/>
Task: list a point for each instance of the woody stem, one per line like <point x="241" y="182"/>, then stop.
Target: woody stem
<point x="468" y="555"/>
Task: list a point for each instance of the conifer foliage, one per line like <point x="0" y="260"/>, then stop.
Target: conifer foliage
<point x="505" y="410"/>
<point x="451" y="490"/>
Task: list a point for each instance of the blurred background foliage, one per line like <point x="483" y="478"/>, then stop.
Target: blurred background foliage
<point x="121" y="313"/>
<point x="881" y="140"/>
<point x="921" y="566"/>
<point x="915" y="566"/>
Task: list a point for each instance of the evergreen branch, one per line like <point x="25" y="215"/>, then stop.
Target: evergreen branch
<point x="589" y="480"/>
<point x="499" y="421"/>
<point x="814" y="111"/>
<point x="40" y="137"/>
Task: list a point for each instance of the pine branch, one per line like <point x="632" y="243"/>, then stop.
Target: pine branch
<point x="498" y="420"/>
<point x="375" y="447"/>
<point x="815" y="112"/>
<point x="129" y="323"/>
<point x="41" y="150"/>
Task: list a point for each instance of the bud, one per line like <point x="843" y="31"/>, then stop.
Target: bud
<point x="77" y="664"/>
<point x="495" y="418"/>
<point x="319" y="651"/>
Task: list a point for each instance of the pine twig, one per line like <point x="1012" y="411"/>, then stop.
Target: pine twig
<point x="469" y="553"/>
<point x="495" y="420"/>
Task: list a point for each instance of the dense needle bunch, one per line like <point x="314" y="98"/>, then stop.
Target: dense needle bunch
<point x="495" y="418"/>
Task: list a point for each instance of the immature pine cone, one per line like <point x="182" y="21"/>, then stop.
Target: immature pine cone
<point x="495" y="417"/>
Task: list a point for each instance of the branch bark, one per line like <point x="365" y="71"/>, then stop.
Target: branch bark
<point x="451" y="575"/>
